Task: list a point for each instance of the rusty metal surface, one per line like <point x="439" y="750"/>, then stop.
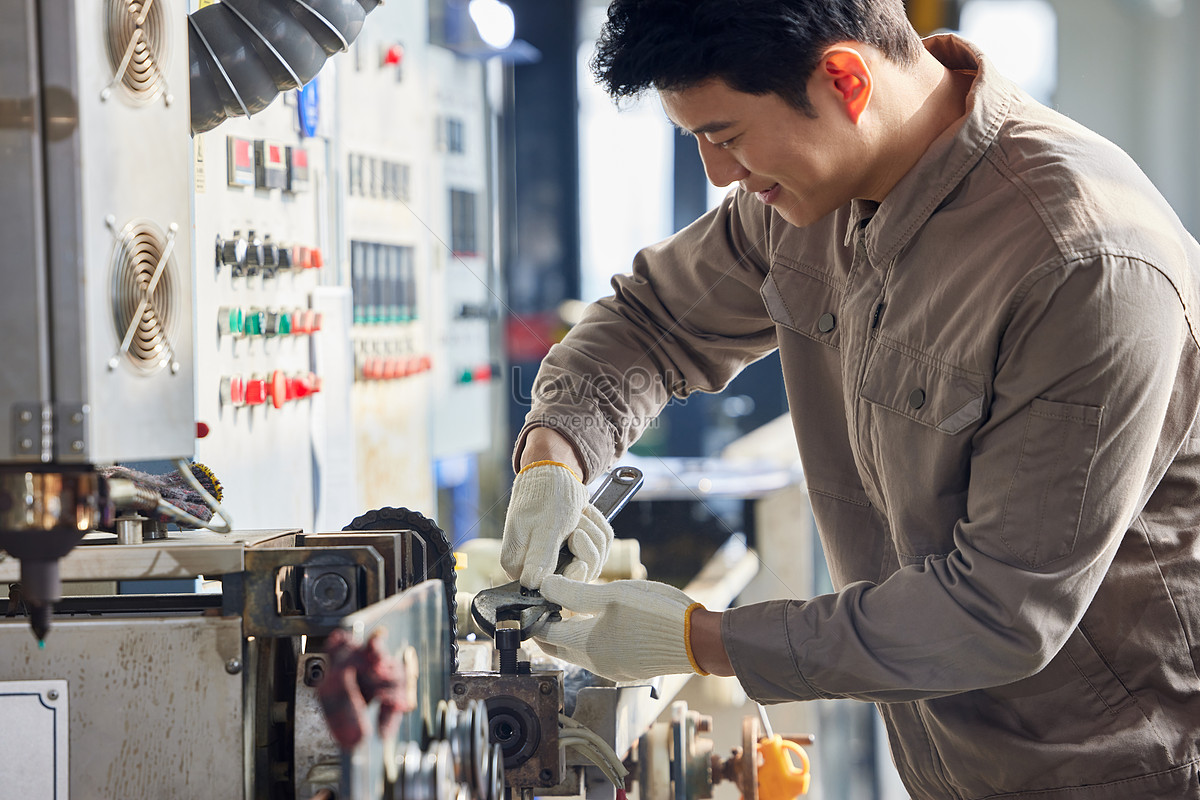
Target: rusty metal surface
<point x="523" y="718"/>
<point x="267" y="571"/>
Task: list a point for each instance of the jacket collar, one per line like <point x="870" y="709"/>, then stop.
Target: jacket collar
<point x="947" y="161"/>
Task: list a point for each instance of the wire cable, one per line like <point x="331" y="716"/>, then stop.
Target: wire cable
<point x="593" y="747"/>
<point x="589" y="752"/>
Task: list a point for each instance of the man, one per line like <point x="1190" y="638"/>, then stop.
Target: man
<point x="986" y="317"/>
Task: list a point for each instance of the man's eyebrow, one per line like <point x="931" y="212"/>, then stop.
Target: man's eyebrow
<point x="710" y="127"/>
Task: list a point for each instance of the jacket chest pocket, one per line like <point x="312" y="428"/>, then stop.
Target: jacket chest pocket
<point x="916" y="425"/>
<point x="804" y="300"/>
<point x="925" y="393"/>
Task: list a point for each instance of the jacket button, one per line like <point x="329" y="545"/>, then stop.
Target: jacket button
<point x="916" y="398"/>
<point x="826" y="323"/>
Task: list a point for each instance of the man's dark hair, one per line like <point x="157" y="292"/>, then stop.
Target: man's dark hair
<point x="754" y="46"/>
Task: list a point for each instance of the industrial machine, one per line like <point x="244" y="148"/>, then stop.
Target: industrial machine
<point x="220" y="248"/>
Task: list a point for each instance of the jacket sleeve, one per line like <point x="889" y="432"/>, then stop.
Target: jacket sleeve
<point x="687" y="318"/>
<point x="1079" y="431"/>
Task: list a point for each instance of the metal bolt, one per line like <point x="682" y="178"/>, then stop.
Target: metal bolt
<point x="460" y="688"/>
<point x="52" y="694"/>
<point x="26" y="416"/>
<point x="330" y="592"/>
<point x="314" y="671"/>
<point x="77" y="418"/>
<point x="546" y="687"/>
<point x="77" y="446"/>
<point x="233" y="666"/>
<point x="27" y="444"/>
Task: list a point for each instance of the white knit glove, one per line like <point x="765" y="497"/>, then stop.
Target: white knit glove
<point x="624" y="630"/>
<point x="550" y="506"/>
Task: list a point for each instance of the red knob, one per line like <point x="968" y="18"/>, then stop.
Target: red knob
<point x="233" y="391"/>
<point x="256" y="392"/>
<point x="277" y="389"/>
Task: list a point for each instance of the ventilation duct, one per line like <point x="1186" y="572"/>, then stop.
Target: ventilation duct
<point x="245" y="52"/>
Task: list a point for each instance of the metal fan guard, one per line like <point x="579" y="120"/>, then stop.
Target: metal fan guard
<point x="136" y="254"/>
<point x="143" y="77"/>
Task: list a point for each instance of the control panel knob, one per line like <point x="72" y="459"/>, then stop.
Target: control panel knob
<point x="277" y="389"/>
<point x="255" y="254"/>
<point x="270" y="257"/>
<point x="256" y="391"/>
<point x="256" y="322"/>
<point x="233" y="253"/>
<point x="231" y="322"/>
<point x="233" y="391"/>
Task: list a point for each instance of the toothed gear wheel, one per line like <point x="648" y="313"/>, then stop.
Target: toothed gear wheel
<point x="439" y="556"/>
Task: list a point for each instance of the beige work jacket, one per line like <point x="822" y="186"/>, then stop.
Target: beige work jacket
<point x="994" y="378"/>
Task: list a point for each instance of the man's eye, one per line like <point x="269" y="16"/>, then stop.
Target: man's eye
<point x="725" y="145"/>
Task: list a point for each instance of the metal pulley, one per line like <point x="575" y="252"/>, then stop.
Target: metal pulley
<point x="459" y="764"/>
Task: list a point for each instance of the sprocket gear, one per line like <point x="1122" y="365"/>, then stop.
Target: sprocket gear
<point x="440" y="559"/>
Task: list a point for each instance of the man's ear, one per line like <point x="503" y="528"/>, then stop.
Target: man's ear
<point x="851" y="78"/>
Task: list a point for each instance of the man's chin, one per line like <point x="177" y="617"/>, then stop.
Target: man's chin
<point x="801" y="216"/>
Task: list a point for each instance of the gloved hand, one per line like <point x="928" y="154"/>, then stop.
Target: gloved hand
<point x="549" y="506"/>
<point x="632" y="630"/>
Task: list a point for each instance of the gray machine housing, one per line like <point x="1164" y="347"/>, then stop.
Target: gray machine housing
<point x="93" y="327"/>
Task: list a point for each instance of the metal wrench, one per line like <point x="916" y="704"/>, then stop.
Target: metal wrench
<point x="514" y="602"/>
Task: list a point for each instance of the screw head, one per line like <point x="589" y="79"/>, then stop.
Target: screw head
<point x="52" y="694"/>
<point x="233" y="666"/>
<point x="546" y="687"/>
<point x="77" y="446"/>
<point x="460" y="688"/>
<point x="26" y="416"/>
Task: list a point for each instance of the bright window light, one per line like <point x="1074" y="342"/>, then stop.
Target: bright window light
<point x="1021" y="39"/>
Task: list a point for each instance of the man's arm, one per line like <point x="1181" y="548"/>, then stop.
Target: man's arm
<point x="688" y="318"/>
<point x="1077" y="438"/>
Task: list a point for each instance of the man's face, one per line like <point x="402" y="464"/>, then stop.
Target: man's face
<point x="803" y="167"/>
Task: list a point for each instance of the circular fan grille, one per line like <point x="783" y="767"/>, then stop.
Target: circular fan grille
<point x="137" y="33"/>
<point x="148" y="321"/>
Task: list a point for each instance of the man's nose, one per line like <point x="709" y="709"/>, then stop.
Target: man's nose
<point x="720" y="165"/>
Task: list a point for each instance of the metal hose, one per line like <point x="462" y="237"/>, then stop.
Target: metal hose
<point x="244" y="52"/>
